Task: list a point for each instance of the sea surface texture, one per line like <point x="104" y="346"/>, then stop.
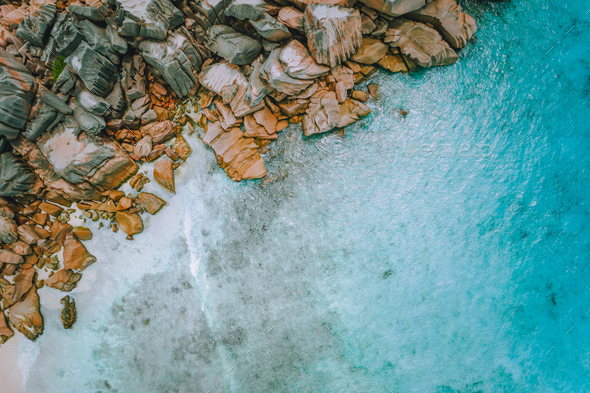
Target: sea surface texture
<point x="445" y="251"/>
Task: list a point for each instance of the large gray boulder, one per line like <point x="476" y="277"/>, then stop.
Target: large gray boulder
<point x="232" y="46"/>
<point x="246" y="9"/>
<point x="176" y="58"/>
<point x="91" y="13"/>
<point x="453" y="25"/>
<point x="34" y="25"/>
<point x="8" y="227"/>
<point x="420" y="43"/>
<point x="65" y="34"/>
<point x="16" y="178"/>
<point x="333" y="33"/>
<point x="94" y="69"/>
<point x="97" y="39"/>
<point x="395" y="7"/>
<point x="17" y="89"/>
<point x="147" y="18"/>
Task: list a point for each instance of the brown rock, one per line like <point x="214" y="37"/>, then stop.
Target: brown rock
<point x="143" y="148"/>
<point x="149" y="202"/>
<point x="360" y="95"/>
<point x="266" y="119"/>
<point x="373" y="90"/>
<point x="139" y="181"/>
<point x="40" y="218"/>
<point x="75" y="255"/>
<point x="130" y="223"/>
<point x="50" y="208"/>
<point x="5" y="331"/>
<point x="370" y="52"/>
<point x="124" y="203"/>
<point x="164" y="175"/>
<point x="351" y="111"/>
<point x="323" y="113"/>
<point x="281" y="125"/>
<point x="65" y="280"/>
<point x="82" y="233"/>
<point x="393" y="63"/>
<point x="159" y="132"/>
<point x="25" y="316"/>
<point x="21" y="248"/>
<point x="181" y="147"/>
<point x="22" y="283"/>
<point x="10" y="257"/>
<point x="340" y="91"/>
<point x="455" y="26"/>
<point x="115" y="195"/>
<point x="59" y="230"/>
<point x="236" y="154"/>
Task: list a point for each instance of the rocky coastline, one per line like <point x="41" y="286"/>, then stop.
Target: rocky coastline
<point x="93" y="92"/>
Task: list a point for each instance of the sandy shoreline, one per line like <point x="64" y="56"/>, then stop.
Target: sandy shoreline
<point x="12" y="377"/>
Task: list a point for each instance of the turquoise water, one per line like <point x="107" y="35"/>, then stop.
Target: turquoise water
<point x="446" y="251"/>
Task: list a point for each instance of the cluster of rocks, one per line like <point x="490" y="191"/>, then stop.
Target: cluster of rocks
<point x="91" y="90"/>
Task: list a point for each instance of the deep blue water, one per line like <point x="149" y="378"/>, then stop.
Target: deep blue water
<point x="446" y="251"/>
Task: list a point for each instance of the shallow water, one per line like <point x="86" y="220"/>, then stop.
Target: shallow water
<point x="446" y="251"/>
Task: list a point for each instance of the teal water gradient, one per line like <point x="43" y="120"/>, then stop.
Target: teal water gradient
<point x="446" y="251"/>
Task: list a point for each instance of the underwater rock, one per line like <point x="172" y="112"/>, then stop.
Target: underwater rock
<point x="68" y="314"/>
<point x="149" y="202"/>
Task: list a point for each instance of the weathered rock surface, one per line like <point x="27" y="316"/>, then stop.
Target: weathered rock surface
<point x="16" y="95"/>
<point x="130" y="223"/>
<point x="291" y="17"/>
<point x="177" y="60"/>
<point x="453" y="25"/>
<point x="323" y="113"/>
<point x="236" y="154"/>
<point x="16" y="178"/>
<point x="246" y="9"/>
<point x="393" y="63"/>
<point x="5" y="330"/>
<point x="370" y="52"/>
<point x="271" y="29"/>
<point x="11" y="257"/>
<point x="34" y="25"/>
<point x="164" y="174"/>
<point x="351" y="111"/>
<point x="147" y="18"/>
<point x="149" y="202"/>
<point x="94" y="69"/>
<point x="91" y="13"/>
<point x="273" y="72"/>
<point x="298" y="63"/>
<point x="65" y="280"/>
<point x="333" y="33"/>
<point x="25" y="316"/>
<point x="159" y="132"/>
<point x="8" y="227"/>
<point x="395" y="7"/>
<point x="234" y="47"/>
<point x="420" y="43"/>
<point x="75" y="255"/>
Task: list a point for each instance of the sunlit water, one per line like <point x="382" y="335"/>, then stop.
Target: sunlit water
<point x="446" y="251"/>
